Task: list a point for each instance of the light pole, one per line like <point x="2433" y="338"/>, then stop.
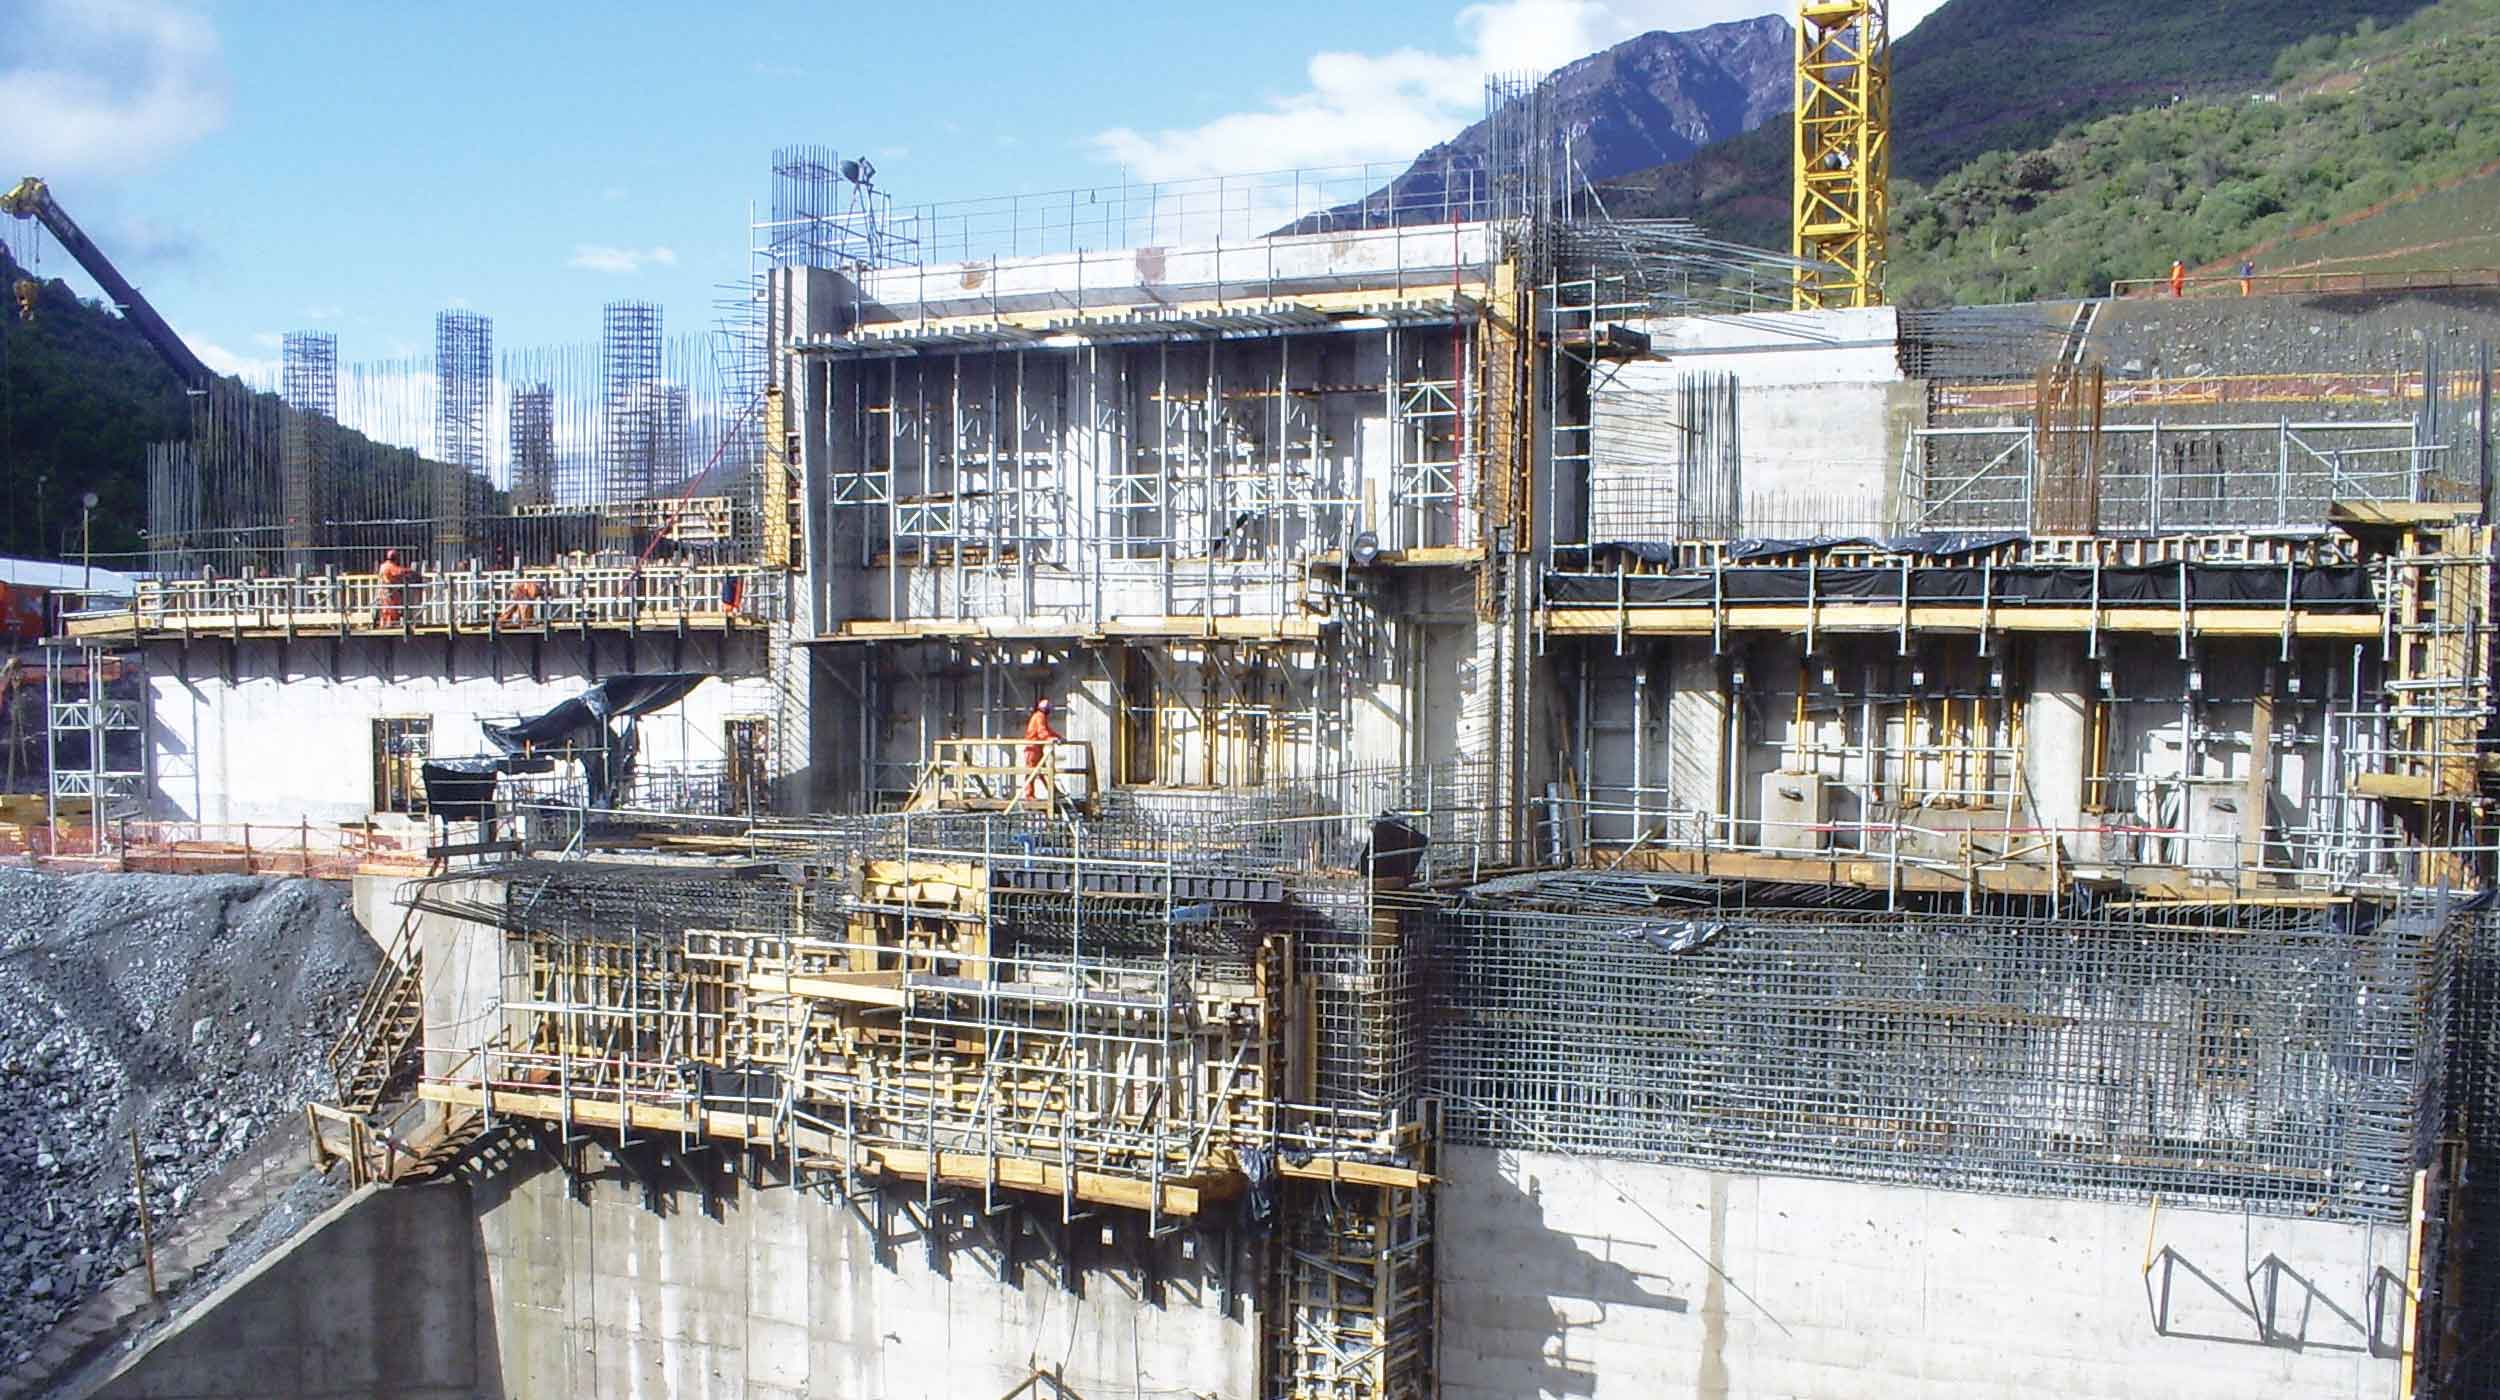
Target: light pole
<point x="86" y="543"/>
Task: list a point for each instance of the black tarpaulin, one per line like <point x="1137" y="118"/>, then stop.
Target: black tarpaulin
<point x="1929" y="544"/>
<point x="459" y="792"/>
<point x="617" y="697"/>
<point x="597" y="726"/>
<point x="2332" y="587"/>
<point x="463" y="789"/>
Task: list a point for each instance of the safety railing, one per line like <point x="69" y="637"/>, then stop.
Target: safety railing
<point x="2334" y="850"/>
<point x="1005" y="775"/>
<point x="2163" y="477"/>
<point x="1214" y="209"/>
<point x="472" y="600"/>
<point x="2310" y="283"/>
<point x="693" y="787"/>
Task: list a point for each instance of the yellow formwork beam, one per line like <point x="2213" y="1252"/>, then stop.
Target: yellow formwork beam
<point x="1843" y="154"/>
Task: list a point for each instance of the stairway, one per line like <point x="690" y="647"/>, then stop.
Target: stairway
<point x="385" y="1027"/>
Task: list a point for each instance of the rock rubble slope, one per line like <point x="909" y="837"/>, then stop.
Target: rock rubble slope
<point x="204" y="1006"/>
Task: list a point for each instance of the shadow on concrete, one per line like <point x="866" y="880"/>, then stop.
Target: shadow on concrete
<point x="1600" y="1279"/>
<point x="489" y="1338"/>
<point x="2281" y="1308"/>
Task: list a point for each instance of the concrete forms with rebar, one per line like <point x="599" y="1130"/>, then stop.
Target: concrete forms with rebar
<point x="1543" y="730"/>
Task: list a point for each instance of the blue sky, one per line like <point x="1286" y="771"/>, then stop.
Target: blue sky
<point x="258" y="166"/>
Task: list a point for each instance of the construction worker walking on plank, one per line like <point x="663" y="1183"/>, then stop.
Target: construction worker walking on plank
<point x="395" y="577"/>
<point x="1039" y="735"/>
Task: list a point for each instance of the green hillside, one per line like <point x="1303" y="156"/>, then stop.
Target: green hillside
<point x="1996" y="75"/>
<point x="2359" y="121"/>
<point x="81" y="395"/>
<point x="2450" y="225"/>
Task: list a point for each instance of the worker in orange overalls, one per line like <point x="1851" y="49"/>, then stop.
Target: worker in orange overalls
<point x="522" y="611"/>
<point x="1038" y="737"/>
<point x="2178" y="277"/>
<point x="395" y="578"/>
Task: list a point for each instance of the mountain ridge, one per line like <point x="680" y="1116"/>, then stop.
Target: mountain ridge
<point x="1655" y="97"/>
<point x="2000" y="75"/>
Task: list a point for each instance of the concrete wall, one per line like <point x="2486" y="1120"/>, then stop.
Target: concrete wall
<point x="379" y="1295"/>
<point x="276" y="738"/>
<point x="1822" y="407"/>
<point x="1384" y="259"/>
<point x="784" y="1295"/>
<point x="1561" y="1276"/>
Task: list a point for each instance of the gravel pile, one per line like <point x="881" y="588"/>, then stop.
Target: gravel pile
<point x="2374" y="333"/>
<point x="204" y="1005"/>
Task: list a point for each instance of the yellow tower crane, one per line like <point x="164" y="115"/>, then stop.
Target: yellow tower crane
<point x="1844" y="151"/>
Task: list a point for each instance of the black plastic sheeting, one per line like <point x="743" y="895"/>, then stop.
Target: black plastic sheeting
<point x="463" y="789"/>
<point x="617" y="697"/>
<point x="2335" y="587"/>
<point x="1930" y="544"/>
<point x="459" y="792"/>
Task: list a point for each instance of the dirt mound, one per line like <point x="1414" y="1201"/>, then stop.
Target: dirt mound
<point x="203" y="1005"/>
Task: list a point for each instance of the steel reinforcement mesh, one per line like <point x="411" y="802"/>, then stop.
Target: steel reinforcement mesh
<point x="2288" y="1067"/>
<point x="2465" y="1360"/>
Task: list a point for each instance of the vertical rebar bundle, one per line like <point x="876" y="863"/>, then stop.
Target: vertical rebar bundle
<point x="309" y="372"/>
<point x="807" y="193"/>
<point x="464" y="370"/>
<point x="629" y="372"/>
<point x="668" y="438"/>
<point x="309" y="379"/>
<point x="1710" y="489"/>
<point x="532" y="418"/>
<point x="828" y="212"/>
<point x="1520" y="150"/>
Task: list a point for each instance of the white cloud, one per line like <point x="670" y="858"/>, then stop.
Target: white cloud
<point x="322" y="311"/>
<point x="257" y="371"/>
<point x="1389" y="107"/>
<point x="601" y="257"/>
<point x="108" y="86"/>
<point x="1905" y="14"/>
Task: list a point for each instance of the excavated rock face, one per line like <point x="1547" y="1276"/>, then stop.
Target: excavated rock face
<point x="202" y="1006"/>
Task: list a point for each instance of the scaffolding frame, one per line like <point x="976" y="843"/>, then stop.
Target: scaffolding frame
<point x="1153" y="1009"/>
<point x="95" y="746"/>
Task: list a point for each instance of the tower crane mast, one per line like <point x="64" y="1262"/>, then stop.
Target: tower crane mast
<point x="1843" y="151"/>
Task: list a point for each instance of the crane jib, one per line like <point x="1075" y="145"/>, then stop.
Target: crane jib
<point x="32" y="199"/>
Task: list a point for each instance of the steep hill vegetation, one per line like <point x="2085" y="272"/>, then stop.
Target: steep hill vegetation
<point x="1999" y="75"/>
<point x="81" y="395"/>
<point x="2360" y="119"/>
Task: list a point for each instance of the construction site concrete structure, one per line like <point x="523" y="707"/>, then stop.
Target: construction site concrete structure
<point x="265" y="734"/>
<point x="1604" y="836"/>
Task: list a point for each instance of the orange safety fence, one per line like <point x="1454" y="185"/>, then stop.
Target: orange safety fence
<point x="324" y="852"/>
